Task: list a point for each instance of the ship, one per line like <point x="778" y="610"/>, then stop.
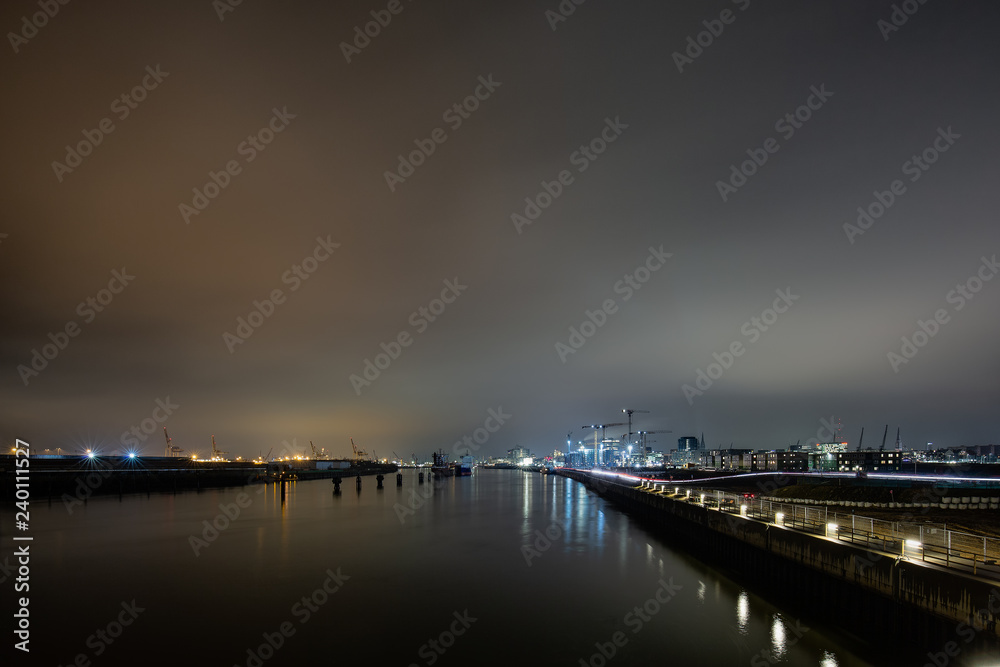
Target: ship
<point x="463" y="468"/>
<point x="441" y="467"/>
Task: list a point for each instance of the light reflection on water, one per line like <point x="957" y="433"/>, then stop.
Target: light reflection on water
<point x="778" y="639"/>
<point x="743" y="612"/>
<point x="462" y="548"/>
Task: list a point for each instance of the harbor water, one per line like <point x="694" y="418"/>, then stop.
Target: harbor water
<point x="501" y="568"/>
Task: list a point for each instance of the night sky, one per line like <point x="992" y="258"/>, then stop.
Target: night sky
<point x="633" y="142"/>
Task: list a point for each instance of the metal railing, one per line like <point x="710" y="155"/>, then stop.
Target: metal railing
<point x="924" y="541"/>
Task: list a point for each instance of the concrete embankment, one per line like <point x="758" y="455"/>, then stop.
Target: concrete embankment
<point x="872" y="594"/>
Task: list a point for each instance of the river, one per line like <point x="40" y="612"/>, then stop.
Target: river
<point x="501" y="568"/>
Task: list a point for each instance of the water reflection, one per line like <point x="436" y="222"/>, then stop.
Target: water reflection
<point x="276" y="552"/>
<point x="743" y="612"/>
<point x="778" y="638"/>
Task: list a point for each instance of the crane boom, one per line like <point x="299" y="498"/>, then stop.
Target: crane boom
<point x="631" y="412"/>
<point x="216" y="452"/>
<point x="171" y="448"/>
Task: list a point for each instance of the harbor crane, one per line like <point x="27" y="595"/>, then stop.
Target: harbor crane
<point x="171" y="448"/>
<point x="884" y="433"/>
<point x="317" y="453"/>
<point x="631" y="412"/>
<point x="359" y="454"/>
<point x="862" y="438"/>
<point x="899" y="445"/>
<point x="216" y="452"/>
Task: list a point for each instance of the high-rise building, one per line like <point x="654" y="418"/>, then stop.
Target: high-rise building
<point x="688" y="443"/>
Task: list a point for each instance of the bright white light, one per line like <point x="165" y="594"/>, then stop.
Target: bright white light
<point x="779" y="642"/>
<point x="90" y="454"/>
<point x="743" y="510"/>
<point x="779" y="517"/>
<point x="743" y="612"/>
<point x="131" y="455"/>
<point x="913" y="544"/>
<point x="832" y="527"/>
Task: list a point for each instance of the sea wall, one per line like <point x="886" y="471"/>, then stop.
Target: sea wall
<point x="867" y="592"/>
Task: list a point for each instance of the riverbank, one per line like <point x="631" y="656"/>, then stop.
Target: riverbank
<point x="874" y="594"/>
<point x="75" y="479"/>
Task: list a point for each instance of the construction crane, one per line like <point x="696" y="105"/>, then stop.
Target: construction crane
<point x="631" y="412"/>
<point x="359" y="454"/>
<point x="884" y="433"/>
<point x="899" y="445"/>
<point x="642" y="437"/>
<point x="171" y="449"/>
<point x="603" y="427"/>
<point x="862" y="438"/>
